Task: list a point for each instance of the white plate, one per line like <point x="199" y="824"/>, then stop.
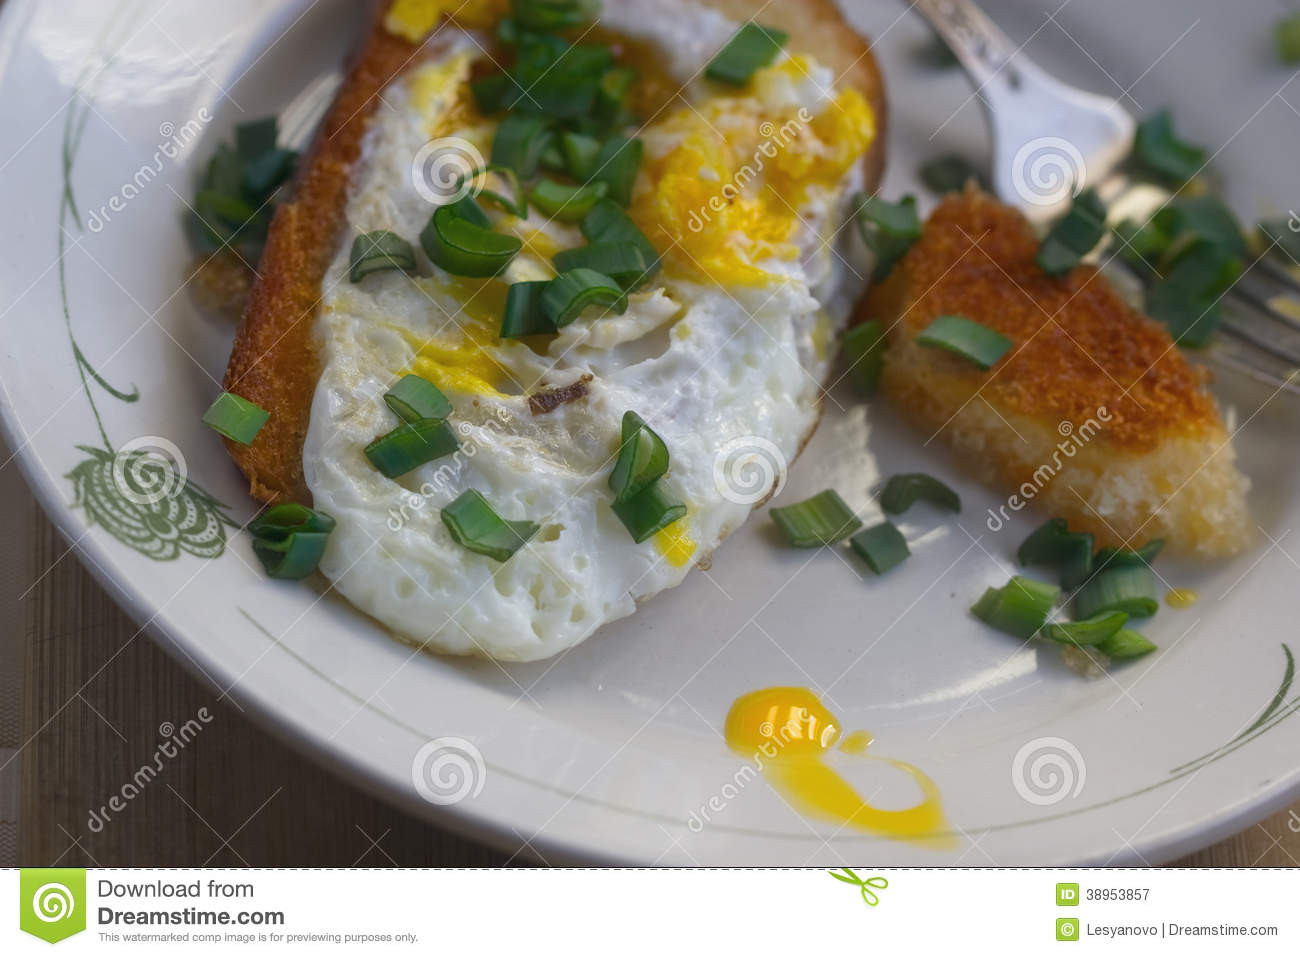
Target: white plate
<point x="608" y="752"/>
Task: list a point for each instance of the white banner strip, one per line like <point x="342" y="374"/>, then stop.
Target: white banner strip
<point x="793" y="912"/>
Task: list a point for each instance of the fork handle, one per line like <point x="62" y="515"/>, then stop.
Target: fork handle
<point x="986" y="52"/>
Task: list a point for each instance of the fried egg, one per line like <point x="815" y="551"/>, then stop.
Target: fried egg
<point x="744" y="193"/>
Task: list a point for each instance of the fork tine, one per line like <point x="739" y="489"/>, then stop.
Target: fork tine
<point x="1250" y="292"/>
<point x="1258" y="366"/>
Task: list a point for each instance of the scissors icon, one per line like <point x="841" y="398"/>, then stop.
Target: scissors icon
<point x="865" y="886"/>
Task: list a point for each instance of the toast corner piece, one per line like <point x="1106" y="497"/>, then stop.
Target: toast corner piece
<point x="1094" y="415"/>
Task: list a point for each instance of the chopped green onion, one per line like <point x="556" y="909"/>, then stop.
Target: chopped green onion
<point x="880" y="546"/>
<point x="1020" y="607"/>
<point x="1187" y="298"/>
<point x="495" y="92"/>
<point x="1207" y="217"/>
<point x="623" y="262"/>
<point x="554" y="14"/>
<point x="642" y="459"/>
<point x="1053" y="543"/>
<point x="1126" y="643"/>
<point x="902" y="491"/>
<point x="864" y="350"/>
<point x="1286" y="37"/>
<point x="1074" y="235"/>
<point x="750" y="48"/>
<point x="1280" y="234"/>
<point x="823" y="519"/>
<point x="518" y="206"/>
<point x="1143" y="245"/>
<point x="612" y="96"/>
<point x="609" y="223"/>
<point x="525" y="314"/>
<point x="579" y="152"/>
<point x="648" y="512"/>
<point x="888" y="229"/>
<point x="566" y="203"/>
<point x="414" y="398"/>
<point x="520" y="140"/>
<point x="475" y="526"/>
<point x="966" y="338"/>
<point x="616" y="166"/>
<point x="950" y="173"/>
<point x="1128" y="589"/>
<point x="1123" y="557"/>
<point x="1158" y="150"/>
<point x="290" y="539"/>
<point x="1090" y="631"/>
<point x="263" y="175"/>
<point x="562" y="82"/>
<point x="569" y="293"/>
<point x="411" y="445"/>
<point x="379" y="250"/>
<point x="462" y="247"/>
<point x="235" y="417"/>
<point x="256" y="137"/>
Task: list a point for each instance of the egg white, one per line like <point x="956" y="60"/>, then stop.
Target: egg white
<point x="708" y="368"/>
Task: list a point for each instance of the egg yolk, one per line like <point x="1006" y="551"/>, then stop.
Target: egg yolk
<point x="674" y="544"/>
<point x="727" y="194"/>
<point x="789" y="730"/>
<point x="412" y="20"/>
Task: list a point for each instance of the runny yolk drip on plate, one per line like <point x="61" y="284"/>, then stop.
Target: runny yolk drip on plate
<point x="789" y="731"/>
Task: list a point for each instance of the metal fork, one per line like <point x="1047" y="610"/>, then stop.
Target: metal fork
<point x="1051" y="139"/>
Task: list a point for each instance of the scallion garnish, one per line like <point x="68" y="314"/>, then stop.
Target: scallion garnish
<point x="950" y="173"/>
<point x="642" y="459"/>
<point x="880" y="546"/>
<point x="612" y="96"/>
<point x="1126" y="643"/>
<point x="495" y="92"/>
<point x="623" y="262"/>
<point x="1197" y="274"/>
<point x="1052" y="543"/>
<point x="516" y="205"/>
<point x="235" y="417"/>
<point x="460" y="244"/>
<point x="568" y="204"/>
<point x="553" y="14"/>
<point x="520" y="140"/>
<point x="525" y="314"/>
<point x="569" y="293"/>
<point x="1128" y="588"/>
<point x="413" y="398"/>
<point x="864" y="350"/>
<point x="965" y="337"/>
<point x="1090" y="631"/>
<point x="233" y="203"/>
<point x="475" y="526"/>
<point x="411" y="445"/>
<point x="377" y="251"/>
<point x="290" y="539"/>
<point x="609" y="223"/>
<point x="1121" y="557"/>
<point x="647" y="512"/>
<point x="616" y="165"/>
<point x="902" y="491"/>
<point x="1158" y="150"/>
<point x="1074" y="235"/>
<point x="256" y="137"/>
<point x="823" y="519"/>
<point x="579" y="151"/>
<point x="750" y="48"/>
<point x="1020" y="607"/>
<point x="888" y="229"/>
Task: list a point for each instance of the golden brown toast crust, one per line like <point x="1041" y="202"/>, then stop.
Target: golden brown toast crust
<point x="1078" y="345"/>
<point x="275" y="361"/>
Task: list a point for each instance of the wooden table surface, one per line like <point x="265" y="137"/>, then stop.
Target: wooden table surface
<point x="97" y="692"/>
